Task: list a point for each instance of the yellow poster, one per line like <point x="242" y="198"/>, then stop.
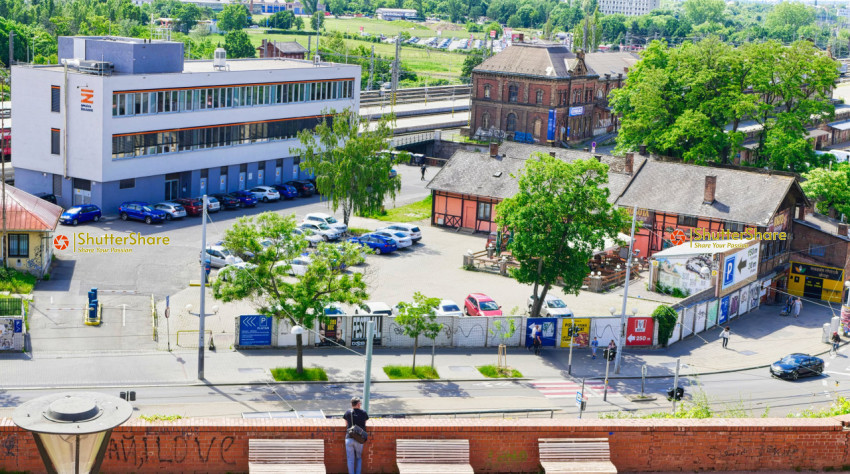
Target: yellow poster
<point x="816" y="282"/>
<point x="580" y="330"/>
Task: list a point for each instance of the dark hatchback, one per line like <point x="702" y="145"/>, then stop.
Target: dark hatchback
<point x="246" y="199"/>
<point x="286" y="191"/>
<point x="794" y="366"/>
<point x="304" y="187"/>
<point x="227" y="201"/>
<point x="193" y="206"/>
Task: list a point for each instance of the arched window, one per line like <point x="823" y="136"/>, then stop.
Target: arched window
<point x="539" y="97"/>
<point x="485" y="120"/>
<point x="511" y="123"/>
<point x="512" y="93"/>
<point x="538" y="125"/>
<point x="487" y="91"/>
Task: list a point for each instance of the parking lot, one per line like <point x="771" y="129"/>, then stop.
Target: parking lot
<point x="433" y="266"/>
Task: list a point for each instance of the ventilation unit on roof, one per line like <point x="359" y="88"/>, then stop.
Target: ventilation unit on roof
<point x="219" y="58"/>
<point x="100" y="68"/>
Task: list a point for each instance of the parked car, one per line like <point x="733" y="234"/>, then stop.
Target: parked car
<point x="324" y="230"/>
<point x="373" y="307"/>
<point x="334" y="309"/>
<point x="378" y="243"/>
<point x="409" y="230"/>
<point x="552" y="307"/>
<point x="77" y="214"/>
<point x="326" y="219"/>
<point x="448" y="308"/>
<point x="140" y="211"/>
<point x="304" y="187"/>
<point x="220" y="257"/>
<point x="51" y="198"/>
<point x="265" y="193"/>
<point x="246" y="198"/>
<point x="315" y="186"/>
<point x="229" y="271"/>
<point x="796" y="365"/>
<point x="172" y="210"/>
<point x="479" y="304"/>
<point x="226" y="201"/>
<point x="193" y="206"/>
<point x="312" y="238"/>
<point x="401" y="240"/>
<point x="297" y="267"/>
<point x="286" y="191"/>
<point x="212" y="204"/>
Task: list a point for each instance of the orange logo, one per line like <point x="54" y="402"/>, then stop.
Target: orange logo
<point x="678" y="237"/>
<point x="60" y="242"/>
<point x="88" y="96"/>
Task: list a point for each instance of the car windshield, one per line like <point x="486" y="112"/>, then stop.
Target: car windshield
<point x="450" y="307"/>
<point x="74" y="210"/>
<point x="489" y="305"/>
<point x="556" y="303"/>
<point x="414" y="229"/>
<point x="331" y="220"/>
<point x="399" y="234"/>
<point x="792" y="359"/>
<point x="323" y="226"/>
<point x="225" y="252"/>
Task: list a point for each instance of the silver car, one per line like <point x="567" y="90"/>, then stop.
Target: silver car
<point x="312" y="238"/>
<point x="408" y="229"/>
<point x="172" y="210"/>
<point x="324" y="230"/>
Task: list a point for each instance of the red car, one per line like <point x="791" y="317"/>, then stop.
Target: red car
<point x="194" y="206"/>
<point x="479" y="304"/>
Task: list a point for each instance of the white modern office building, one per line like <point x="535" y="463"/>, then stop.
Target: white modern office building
<point x="128" y="119"/>
<point x="628" y="7"/>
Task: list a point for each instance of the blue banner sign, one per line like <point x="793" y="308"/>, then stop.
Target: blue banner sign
<point x="255" y="330"/>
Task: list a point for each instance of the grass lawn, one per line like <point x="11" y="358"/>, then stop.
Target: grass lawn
<point x="288" y="374"/>
<point x="358" y="231"/>
<point x="494" y="372"/>
<point x="404" y="372"/>
<point x="408" y="213"/>
<point x="16" y="282"/>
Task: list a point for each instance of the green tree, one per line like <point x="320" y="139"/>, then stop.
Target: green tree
<point x="828" y="188"/>
<point x="317" y="21"/>
<point x="456" y="10"/>
<point x="492" y="26"/>
<point x="503" y="329"/>
<point x="298" y="23"/>
<point x="418" y="318"/>
<point x="348" y="164"/>
<point x="560" y="215"/>
<point x="666" y="318"/>
<point x="282" y="20"/>
<point x="233" y="17"/>
<point x="266" y="283"/>
<point x="786" y="18"/>
<point x="702" y="11"/>
<point x="310" y="6"/>
<point x="187" y="16"/>
<point x="238" y="45"/>
<point x="470" y="62"/>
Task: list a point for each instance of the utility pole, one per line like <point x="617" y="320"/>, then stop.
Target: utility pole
<point x="367" y="381"/>
<point x="676" y="383"/>
<point x="371" y="68"/>
<point x="11" y="51"/>
<point x="572" y="335"/>
<point x="396" y="67"/>
<point x="202" y="315"/>
<point x="626" y="294"/>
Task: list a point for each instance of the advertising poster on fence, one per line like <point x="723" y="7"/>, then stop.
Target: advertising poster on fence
<point x="359" y="330"/>
<point x="639" y="331"/>
<point x="330" y="332"/>
<point x="699" y="323"/>
<point x="604" y="330"/>
<point x="723" y="316"/>
<point x="744" y="300"/>
<point x="711" y="319"/>
<point x="733" y="304"/>
<point x="755" y="293"/>
<point x="581" y="332"/>
<point x="547" y="329"/>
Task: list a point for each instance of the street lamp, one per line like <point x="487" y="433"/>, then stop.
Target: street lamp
<point x="72" y="430"/>
<point x="297" y="330"/>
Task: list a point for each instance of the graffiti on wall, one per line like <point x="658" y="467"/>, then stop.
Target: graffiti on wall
<point x="170" y="449"/>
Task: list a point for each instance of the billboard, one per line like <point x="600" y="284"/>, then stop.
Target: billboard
<point x="580" y="328"/>
<point x="255" y="330"/>
<point x="359" y="330"/>
<point x="684" y="272"/>
<point x="550" y="130"/>
<point x="741" y="265"/>
<point x="547" y="329"/>
<point x="639" y="331"/>
<point x="723" y="317"/>
<point x="816" y="281"/>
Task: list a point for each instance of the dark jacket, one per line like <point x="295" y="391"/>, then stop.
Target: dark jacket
<point x="355" y="416"/>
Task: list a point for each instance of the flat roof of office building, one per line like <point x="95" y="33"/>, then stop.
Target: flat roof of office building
<point x="205" y="66"/>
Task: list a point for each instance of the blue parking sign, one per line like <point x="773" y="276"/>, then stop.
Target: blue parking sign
<point x="19" y="325"/>
<point x="729" y="271"/>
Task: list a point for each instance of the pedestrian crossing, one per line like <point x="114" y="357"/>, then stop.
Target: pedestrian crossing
<point x="559" y="388"/>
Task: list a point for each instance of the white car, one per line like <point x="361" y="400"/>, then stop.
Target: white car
<point x="323" y="230"/>
<point x="552" y="307"/>
<point x="319" y="217"/>
<point x="312" y="238"/>
<point x="265" y="193"/>
<point x="297" y="267"/>
<point x="448" y="308"/>
<point x="401" y="240"/>
<point x="374" y="307"/>
<point x="212" y="204"/>
<point x="172" y="210"/>
<point x="228" y="271"/>
<point x="220" y="257"/>
<point x="411" y="230"/>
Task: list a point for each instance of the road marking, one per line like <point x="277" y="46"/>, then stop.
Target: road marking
<point x="123" y="315"/>
<point x="118" y="292"/>
<point x="65" y="309"/>
<point x="568" y="389"/>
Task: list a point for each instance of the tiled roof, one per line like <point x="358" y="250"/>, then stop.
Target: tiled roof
<point x="286" y="47"/>
<point x="750" y="197"/>
<point x="25" y="212"/>
<point x="547" y="60"/>
<point x="476" y="173"/>
<point x="610" y="63"/>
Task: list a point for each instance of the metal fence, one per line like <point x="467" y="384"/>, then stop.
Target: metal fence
<point x="11" y="307"/>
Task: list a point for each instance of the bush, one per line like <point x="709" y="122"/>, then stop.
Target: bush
<point x="666" y="318"/>
<point x="404" y="372"/>
<point x="14" y="281"/>
<point x="46" y="277"/>
<point x="289" y="374"/>
<point x="494" y="372"/>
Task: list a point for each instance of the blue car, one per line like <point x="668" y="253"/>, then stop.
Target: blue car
<point x="246" y="199"/>
<point x="83" y="213"/>
<point x="140" y="211"/>
<point x="286" y="191"/>
<point x="377" y="243"/>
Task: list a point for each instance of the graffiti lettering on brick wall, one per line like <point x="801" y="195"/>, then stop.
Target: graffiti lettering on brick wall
<point x="170" y="449"/>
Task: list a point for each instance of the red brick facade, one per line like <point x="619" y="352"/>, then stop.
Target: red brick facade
<point x="220" y="446"/>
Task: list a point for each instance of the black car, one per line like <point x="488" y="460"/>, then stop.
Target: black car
<point x="304" y="187"/>
<point x="227" y="201"/>
<point x="51" y="198"/>
<point x="315" y="186"/>
<point x="793" y="366"/>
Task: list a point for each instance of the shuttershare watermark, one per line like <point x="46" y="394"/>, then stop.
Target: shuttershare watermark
<point x="83" y="242"/>
<point x="724" y="239"/>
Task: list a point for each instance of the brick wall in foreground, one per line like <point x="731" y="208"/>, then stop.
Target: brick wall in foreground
<point x="221" y="446"/>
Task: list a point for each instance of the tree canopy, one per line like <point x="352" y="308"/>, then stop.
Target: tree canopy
<point x="419" y="318"/>
<point x="238" y="45"/>
<point x="234" y="16"/>
<point x="829" y="188"/>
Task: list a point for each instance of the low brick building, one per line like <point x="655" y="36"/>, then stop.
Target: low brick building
<point x="282" y="49"/>
<point x="820" y="259"/>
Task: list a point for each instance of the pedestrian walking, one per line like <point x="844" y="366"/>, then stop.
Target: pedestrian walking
<point x="594" y="344"/>
<point x="538" y="340"/>
<point x="725" y="336"/>
<point x="424" y="169"/>
<point x="836" y="340"/>
<point x="798" y="305"/>
<point x="353" y="446"/>
<point x="534" y="330"/>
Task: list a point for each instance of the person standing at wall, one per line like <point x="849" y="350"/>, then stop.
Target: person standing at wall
<point x="353" y="439"/>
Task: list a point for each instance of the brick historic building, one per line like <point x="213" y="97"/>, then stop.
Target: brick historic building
<point x="514" y="91"/>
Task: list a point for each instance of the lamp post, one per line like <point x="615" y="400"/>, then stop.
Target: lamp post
<point x="72" y="430"/>
<point x="626" y="291"/>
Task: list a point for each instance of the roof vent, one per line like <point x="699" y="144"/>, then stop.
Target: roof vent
<point x="219" y="59"/>
<point x="497" y="174"/>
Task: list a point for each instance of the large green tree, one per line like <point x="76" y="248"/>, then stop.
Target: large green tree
<point x="266" y="284"/>
<point x="559" y="217"/>
<point x="419" y="318"/>
<point x="470" y="62"/>
<point x="282" y="20"/>
<point x="702" y="11"/>
<point x="234" y="16"/>
<point x="349" y="165"/>
<point x="786" y="18"/>
<point x="238" y="45"/>
<point x="829" y="188"/>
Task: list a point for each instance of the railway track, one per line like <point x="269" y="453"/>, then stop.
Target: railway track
<point x="414" y="95"/>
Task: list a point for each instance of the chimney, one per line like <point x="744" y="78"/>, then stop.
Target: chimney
<point x="494" y="150"/>
<point x="710" y="188"/>
<point x="801" y="213"/>
<point x="630" y="163"/>
<point x="552" y="154"/>
<point x="842" y="229"/>
<point x="598" y="158"/>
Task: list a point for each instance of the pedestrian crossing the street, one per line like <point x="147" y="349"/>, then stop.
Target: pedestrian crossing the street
<point x="559" y="388"/>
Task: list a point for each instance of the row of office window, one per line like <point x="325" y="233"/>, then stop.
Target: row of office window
<point x="175" y="141"/>
<point x="225" y="97"/>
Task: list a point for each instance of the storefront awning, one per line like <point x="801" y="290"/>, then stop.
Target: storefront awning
<point x="611" y="244"/>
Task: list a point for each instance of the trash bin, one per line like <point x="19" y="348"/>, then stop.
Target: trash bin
<point x="680" y="392"/>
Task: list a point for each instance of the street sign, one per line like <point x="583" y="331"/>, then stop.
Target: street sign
<point x="576" y="111"/>
<point x="639" y="331"/>
<point x="593" y="145"/>
<point x="255" y="330"/>
<point x="492" y="33"/>
<point x="578" y="399"/>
